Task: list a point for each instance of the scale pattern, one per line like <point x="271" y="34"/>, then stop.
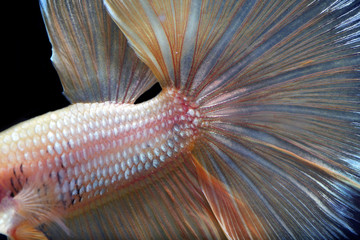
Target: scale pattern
<point x="91" y="149"/>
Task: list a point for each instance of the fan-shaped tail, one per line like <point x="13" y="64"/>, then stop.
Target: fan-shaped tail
<point x="278" y="85"/>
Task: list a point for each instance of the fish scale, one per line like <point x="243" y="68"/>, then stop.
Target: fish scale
<point x="89" y="149"/>
<point x="270" y="150"/>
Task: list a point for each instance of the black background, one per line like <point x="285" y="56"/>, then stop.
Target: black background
<point x="29" y="83"/>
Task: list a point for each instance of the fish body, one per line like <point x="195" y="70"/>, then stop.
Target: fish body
<point x="255" y="134"/>
<point x="89" y="150"/>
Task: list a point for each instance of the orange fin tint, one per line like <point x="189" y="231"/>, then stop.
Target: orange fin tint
<point x="160" y="32"/>
<point x="91" y="55"/>
<point x="28" y="232"/>
<point x="237" y="218"/>
<point x="268" y="192"/>
<point x="277" y="85"/>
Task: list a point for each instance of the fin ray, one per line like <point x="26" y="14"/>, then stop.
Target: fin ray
<point x="277" y="84"/>
<point x="36" y="205"/>
<point x="91" y="55"/>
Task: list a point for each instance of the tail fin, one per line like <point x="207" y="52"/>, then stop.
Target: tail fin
<point x="278" y="85"/>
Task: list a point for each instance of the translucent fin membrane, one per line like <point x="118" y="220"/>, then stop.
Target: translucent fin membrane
<point x="291" y="196"/>
<point x="278" y="85"/>
<point x="167" y="206"/>
<point x="156" y="35"/>
<point x="91" y="55"/>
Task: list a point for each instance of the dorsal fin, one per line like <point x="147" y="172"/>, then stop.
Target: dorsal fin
<point x="91" y="55"/>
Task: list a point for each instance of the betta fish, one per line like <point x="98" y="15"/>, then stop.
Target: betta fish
<point x="254" y="135"/>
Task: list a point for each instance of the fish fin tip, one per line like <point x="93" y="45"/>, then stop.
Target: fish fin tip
<point x="279" y="100"/>
<point x="93" y="66"/>
<point x="261" y="193"/>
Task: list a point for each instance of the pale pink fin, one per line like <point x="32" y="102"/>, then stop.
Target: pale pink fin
<point x="170" y="205"/>
<point x="91" y="55"/>
<point x="161" y="32"/>
<point x="36" y="205"/>
<point x="277" y="84"/>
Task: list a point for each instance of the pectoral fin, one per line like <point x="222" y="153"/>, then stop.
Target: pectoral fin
<point x="34" y="206"/>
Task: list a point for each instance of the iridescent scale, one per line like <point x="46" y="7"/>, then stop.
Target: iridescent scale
<point x="87" y="150"/>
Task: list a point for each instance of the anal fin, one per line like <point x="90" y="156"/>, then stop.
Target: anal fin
<point x="167" y="205"/>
